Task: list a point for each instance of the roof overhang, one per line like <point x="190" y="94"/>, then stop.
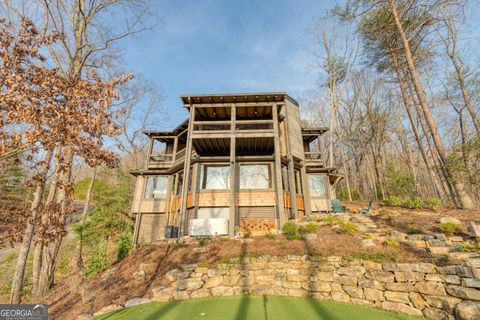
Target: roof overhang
<point x="227" y="98"/>
<point x="166" y="134"/>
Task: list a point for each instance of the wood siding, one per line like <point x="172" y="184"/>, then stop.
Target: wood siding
<point x="251" y="213"/>
<point x="137" y="195"/>
<point x="152" y="227"/>
<point x="320" y="204"/>
<point x="294" y="129"/>
<point x="152" y="206"/>
<point x="244" y="198"/>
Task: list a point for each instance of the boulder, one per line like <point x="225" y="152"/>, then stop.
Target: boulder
<point x="367" y="244"/>
<point x="85" y="316"/>
<point x="136" y="301"/>
<point x="310" y="237"/>
<point x="181" y="295"/>
<point x="468" y="310"/>
<point x="417" y="300"/>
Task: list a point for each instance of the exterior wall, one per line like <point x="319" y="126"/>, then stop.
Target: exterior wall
<point x="267" y="213"/>
<point x="152" y="227"/>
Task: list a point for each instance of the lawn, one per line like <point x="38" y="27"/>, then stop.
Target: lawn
<point x="252" y="308"/>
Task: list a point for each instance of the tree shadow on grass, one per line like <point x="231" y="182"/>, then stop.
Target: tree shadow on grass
<point x="242" y="311"/>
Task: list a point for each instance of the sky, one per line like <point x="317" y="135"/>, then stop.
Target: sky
<point x="225" y="46"/>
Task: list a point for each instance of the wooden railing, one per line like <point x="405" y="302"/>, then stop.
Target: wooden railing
<point x="180" y="155"/>
<point x="254" y="125"/>
<point x="161" y="157"/>
<point x="240" y="125"/>
<point x="211" y="126"/>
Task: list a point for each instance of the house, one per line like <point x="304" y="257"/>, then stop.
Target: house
<point x="237" y="159"/>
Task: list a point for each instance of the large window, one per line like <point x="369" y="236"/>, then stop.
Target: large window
<point x="318" y="185"/>
<point x="254" y="176"/>
<point x="156" y="187"/>
<point x="215" y="177"/>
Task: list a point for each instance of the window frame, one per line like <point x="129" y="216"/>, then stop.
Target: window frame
<point x="270" y="175"/>
<point x="325" y="181"/>
<point x="203" y="176"/>
<point x="147" y="178"/>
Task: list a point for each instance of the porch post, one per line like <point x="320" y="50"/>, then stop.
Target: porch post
<point x="231" y="215"/>
<point x="186" y="172"/>
<point x="306" y="192"/>
<point x="278" y="169"/>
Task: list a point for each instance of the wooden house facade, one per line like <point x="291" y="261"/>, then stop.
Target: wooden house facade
<point x="238" y="159"/>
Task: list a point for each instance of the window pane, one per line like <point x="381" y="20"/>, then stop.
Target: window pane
<point x="216" y="177"/>
<point x="318" y="186"/>
<point x="254" y="176"/>
<point x="156" y="187"/>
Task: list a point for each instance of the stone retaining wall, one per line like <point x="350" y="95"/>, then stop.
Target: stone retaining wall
<point x="450" y="292"/>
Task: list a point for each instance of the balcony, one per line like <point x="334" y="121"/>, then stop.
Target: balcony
<point x="165" y="160"/>
<point x="222" y="129"/>
<point x="314" y="159"/>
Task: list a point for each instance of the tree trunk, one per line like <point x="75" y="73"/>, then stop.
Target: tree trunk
<point x="463" y="197"/>
<point x="78" y="254"/>
<point x="50" y="251"/>
<point x="436" y="183"/>
<point x="37" y="256"/>
<point x="18" y="277"/>
<point x="466" y="98"/>
<point x="347" y="180"/>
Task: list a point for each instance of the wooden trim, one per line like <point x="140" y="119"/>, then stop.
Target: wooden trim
<point x="306" y="192"/>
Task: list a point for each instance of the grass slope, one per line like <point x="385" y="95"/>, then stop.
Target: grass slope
<point x="252" y="308"/>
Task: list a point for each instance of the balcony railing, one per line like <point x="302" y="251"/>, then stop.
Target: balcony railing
<point x="161" y="157"/>
<point x="211" y="126"/>
<point x="254" y="125"/>
<point x="180" y="155"/>
<point x="240" y="125"/>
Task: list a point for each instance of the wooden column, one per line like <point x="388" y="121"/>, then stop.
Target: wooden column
<point x="291" y="172"/>
<point x="149" y="153"/>
<point x="232" y="215"/>
<point x="306" y="192"/>
<point x="195" y="187"/>
<point x="278" y="169"/>
<point x="175" y="146"/>
<point x="139" y="212"/>
<point x="186" y="171"/>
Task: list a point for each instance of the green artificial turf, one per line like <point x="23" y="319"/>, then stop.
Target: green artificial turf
<point x="252" y="308"/>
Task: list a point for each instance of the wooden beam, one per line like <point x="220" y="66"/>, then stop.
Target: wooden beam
<point x="175" y="146"/>
<point x="291" y="172"/>
<point x="139" y="213"/>
<point x="278" y="170"/>
<point x="232" y="216"/>
<point x="186" y="173"/>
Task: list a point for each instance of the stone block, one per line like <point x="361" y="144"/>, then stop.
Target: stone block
<point x="213" y="282"/>
<point x="471" y="282"/>
<point x="382" y="276"/>
<point x="373" y="294"/>
<point x="221" y="291"/>
<point x="371" y="283"/>
<point x="399" y="286"/>
<point x="232" y="280"/>
<point x="443" y="302"/>
<point x="297" y="293"/>
<point x="431" y="288"/>
<point x="447" y="278"/>
<point x="401" y="307"/>
<point x="424" y="267"/>
<point x="340" y="296"/>
<point x="200" y="293"/>
<point x="189" y="284"/>
<point x="162" y="293"/>
<point x="464" y="293"/>
<point x="346" y="280"/>
<point x="436" y="314"/>
<point x="397" y="296"/>
<point x="404" y="267"/>
<point x="354" y="271"/>
<point x="370" y="265"/>
<point x="136" y="302"/>
<point x="417" y="300"/>
<point x="261" y="289"/>
<point x="354" y="292"/>
<point x="181" y="295"/>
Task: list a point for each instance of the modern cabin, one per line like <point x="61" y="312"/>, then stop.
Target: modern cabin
<point x="238" y="160"/>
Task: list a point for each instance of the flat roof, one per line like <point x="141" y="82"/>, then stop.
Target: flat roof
<point x="188" y="99"/>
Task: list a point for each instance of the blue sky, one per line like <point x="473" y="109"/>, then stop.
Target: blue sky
<point x="214" y="46"/>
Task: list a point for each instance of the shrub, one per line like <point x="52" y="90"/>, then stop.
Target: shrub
<point x="450" y="228"/>
<point x="289" y="230"/>
<point x="309" y="228"/>
<point x="202" y="242"/>
<point x="433" y="203"/>
<point x="98" y="261"/>
<point x="247" y="234"/>
<point x="391" y="243"/>
<point x="413" y="203"/>
<point x="270" y="235"/>
<point x="392" y="201"/>
<point x="415" y="230"/>
<point x="342" y="193"/>
<point x="347" y="227"/>
<point x="330" y="219"/>
<point x="124" y="245"/>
